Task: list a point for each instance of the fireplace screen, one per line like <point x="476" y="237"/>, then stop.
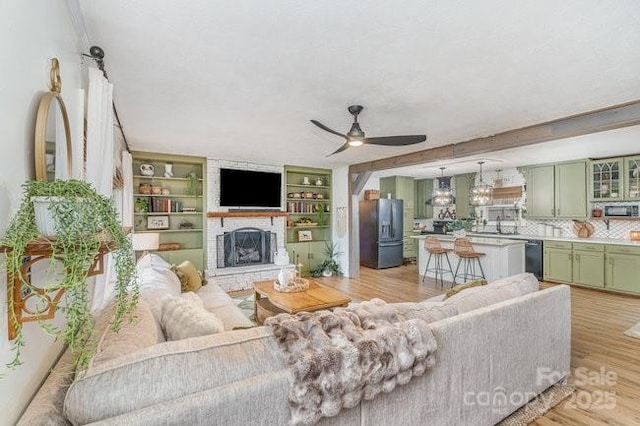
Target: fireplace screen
<point x="245" y="246"/>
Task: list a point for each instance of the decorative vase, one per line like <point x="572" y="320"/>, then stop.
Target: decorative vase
<point x="283" y="278"/>
<point x="146" y="169"/>
<point x="319" y="181"/>
<point x="168" y="170"/>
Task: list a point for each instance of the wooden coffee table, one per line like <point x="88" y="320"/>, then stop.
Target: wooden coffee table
<point x="269" y="302"/>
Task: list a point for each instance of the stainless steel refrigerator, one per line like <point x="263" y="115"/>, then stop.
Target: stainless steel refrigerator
<point x="381" y="233"/>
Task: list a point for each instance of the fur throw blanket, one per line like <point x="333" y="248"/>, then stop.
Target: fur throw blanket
<point x="337" y="358"/>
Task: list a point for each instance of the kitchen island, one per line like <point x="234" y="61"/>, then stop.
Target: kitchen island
<point x="503" y="257"/>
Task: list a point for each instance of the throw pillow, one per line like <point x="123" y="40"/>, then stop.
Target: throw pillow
<point x="157" y="284"/>
<point x="189" y="276"/>
<point x="427" y="311"/>
<point x="133" y="335"/>
<point x="183" y="317"/>
<point x="458" y="288"/>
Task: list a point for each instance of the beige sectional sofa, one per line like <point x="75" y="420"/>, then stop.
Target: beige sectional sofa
<point x="507" y="339"/>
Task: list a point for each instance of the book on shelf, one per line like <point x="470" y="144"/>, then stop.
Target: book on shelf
<point x="301" y="207"/>
<point x="163" y="205"/>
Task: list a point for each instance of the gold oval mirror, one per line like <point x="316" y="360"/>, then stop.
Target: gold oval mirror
<point x="51" y="110"/>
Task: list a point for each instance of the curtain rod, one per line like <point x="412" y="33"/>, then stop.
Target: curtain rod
<point x="97" y="54"/>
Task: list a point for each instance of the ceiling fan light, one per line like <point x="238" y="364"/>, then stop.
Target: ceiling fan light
<point x="355" y="142"/>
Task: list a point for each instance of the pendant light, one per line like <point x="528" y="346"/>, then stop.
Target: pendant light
<point x="442" y="194"/>
<point x="480" y="194"/>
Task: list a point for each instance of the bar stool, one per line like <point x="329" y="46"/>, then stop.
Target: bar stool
<point x="432" y="245"/>
<point x="464" y="250"/>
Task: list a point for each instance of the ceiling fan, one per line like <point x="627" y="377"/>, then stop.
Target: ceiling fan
<point x="356" y="137"/>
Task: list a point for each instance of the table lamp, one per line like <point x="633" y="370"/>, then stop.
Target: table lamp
<point x="143" y="242"/>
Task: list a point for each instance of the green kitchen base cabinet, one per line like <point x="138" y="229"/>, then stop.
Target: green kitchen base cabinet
<point x="309" y="254"/>
<point x="622" y="268"/>
<point x="557" y="265"/>
<point x="588" y="268"/>
<point x="606" y="266"/>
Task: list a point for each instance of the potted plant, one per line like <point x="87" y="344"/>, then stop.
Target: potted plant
<point x="83" y="221"/>
<point x="330" y="265"/>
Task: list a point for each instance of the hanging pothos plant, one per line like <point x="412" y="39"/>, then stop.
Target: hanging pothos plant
<point x="83" y="220"/>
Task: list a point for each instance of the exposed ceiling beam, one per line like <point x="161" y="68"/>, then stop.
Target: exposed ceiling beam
<point x="615" y="117"/>
<point x="358" y="181"/>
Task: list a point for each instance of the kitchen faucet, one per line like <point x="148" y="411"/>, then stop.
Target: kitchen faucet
<point x="498" y="225"/>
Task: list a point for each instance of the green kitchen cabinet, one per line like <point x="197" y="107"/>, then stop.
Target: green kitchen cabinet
<point x="571" y="190"/>
<point x="400" y="188"/>
<point x="557" y="191"/>
<point x="632" y="178"/>
<point x="606" y="180"/>
<point x="622" y="267"/>
<point x="423" y="190"/>
<point x="541" y="192"/>
<point x="557" y="266"/>
<point x="461" y="191"/>
<point x="588" y="268"/>
<point x="408" y="246"/>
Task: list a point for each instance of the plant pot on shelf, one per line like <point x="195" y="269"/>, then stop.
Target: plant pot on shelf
<point x="66" y="208"/>
<point x="85" y="225"/>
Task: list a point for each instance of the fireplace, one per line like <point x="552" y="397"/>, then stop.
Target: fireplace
<point x="245" y="247"/>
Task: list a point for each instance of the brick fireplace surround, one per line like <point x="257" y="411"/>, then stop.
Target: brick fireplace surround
<point x="238" y="278"/>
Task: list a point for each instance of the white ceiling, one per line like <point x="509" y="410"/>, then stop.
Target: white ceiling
<point x="241" y="79"/>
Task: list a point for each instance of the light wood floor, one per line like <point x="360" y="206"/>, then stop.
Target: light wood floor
<point x="597" y="343"/>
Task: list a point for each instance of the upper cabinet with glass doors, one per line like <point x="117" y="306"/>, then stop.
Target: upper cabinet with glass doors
<point x="632" y="178"/>
<point x="606" y="180"/>
<point x="615" y="179"/>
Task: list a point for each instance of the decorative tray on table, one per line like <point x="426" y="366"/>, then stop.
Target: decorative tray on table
<point x="294" y="286"/>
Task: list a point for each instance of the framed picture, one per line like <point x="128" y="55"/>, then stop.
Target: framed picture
<point x="305" y="236"/>
<point x="157" y="222"/>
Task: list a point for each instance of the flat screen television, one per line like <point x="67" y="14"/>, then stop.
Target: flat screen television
<point x="247" y="188"/>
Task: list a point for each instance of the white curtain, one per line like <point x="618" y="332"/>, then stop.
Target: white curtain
<point x="76" y="116"/>
<point x="127" y="189"/>
<point x="100" y="142"/>
<point x="100" y="168"/>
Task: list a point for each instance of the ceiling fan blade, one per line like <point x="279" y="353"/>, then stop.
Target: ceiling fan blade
<point x="326" y="129"/>
<point x="342" y="148"/>
<point x="396" y="140"/>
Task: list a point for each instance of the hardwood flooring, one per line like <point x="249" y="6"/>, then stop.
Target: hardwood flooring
<point x="605" y="364"/>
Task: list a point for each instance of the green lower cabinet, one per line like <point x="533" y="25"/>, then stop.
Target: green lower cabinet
<point x="588" y="268"/>
<point x="621" y="272"/>
<point x="557" y="265"/>
<point x="309" y="254"/>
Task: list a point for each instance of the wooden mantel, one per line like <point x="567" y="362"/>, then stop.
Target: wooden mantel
<point x="222" y="215"/>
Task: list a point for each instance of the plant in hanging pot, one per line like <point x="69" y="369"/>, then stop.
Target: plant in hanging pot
<point x="330" y="265"/>
<point x="83" y="223"/>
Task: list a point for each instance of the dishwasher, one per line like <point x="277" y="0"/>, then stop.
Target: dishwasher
<point x="533" y="257"/>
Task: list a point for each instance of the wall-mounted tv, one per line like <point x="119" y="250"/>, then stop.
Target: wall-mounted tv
<point x="247" y="188"/>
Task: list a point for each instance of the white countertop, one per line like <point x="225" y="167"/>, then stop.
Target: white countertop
<point x="571" y="239"/>
<point x="487" y="240"/>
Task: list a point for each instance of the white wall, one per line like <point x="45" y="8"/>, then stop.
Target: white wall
<point x="341" y="212"/>
<point x="31" y="33"/>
